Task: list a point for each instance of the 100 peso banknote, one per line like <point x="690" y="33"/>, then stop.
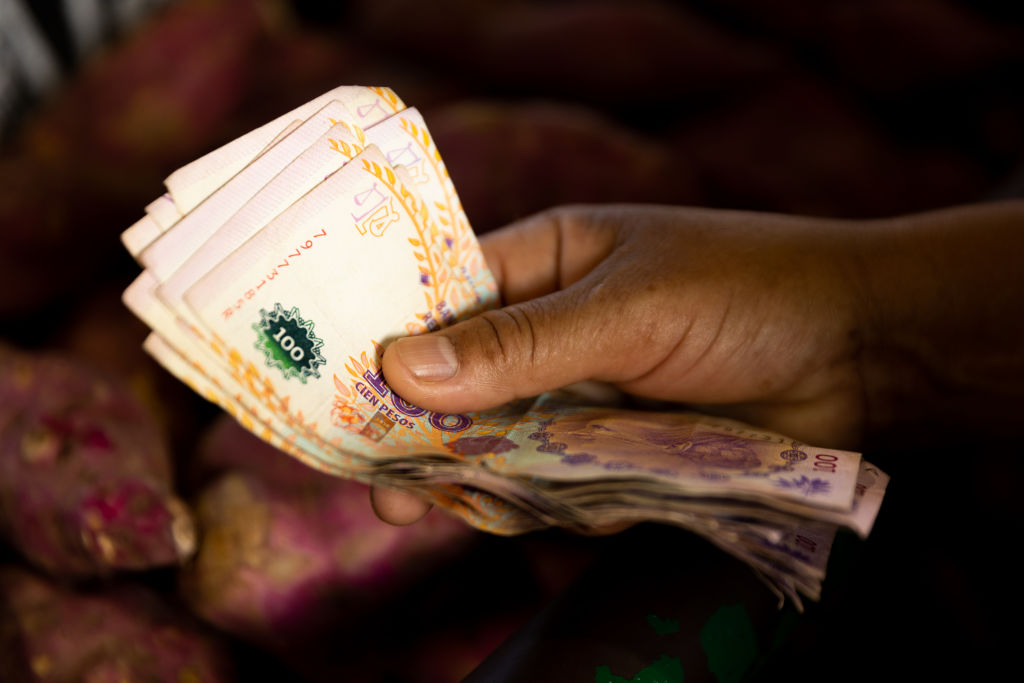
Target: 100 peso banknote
<point x="278" y="268"/>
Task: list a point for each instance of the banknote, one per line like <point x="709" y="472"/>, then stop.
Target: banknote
<point x="191" y="184"/>
<point x="325" y="155"/>
<point x="286" y="186"/>
<point x="279" y="267"/>
<point x="192" y="353"/>
<point x="140" y="235"/>
<point x="163" y="211"/>
<point x="859" y="517"/>
<point x="406" y="144"/>
<point x="198" y="227"/>
<point x="320" y="160"/>
<point x="297" y="292"/>
<point x="170" y="250"/>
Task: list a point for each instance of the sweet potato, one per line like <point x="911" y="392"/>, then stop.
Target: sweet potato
<point x="124" y="633"/>
<point x="102" y="333"/>
<point x="287" y="552"/>
<point x="295" y="561"/>
<point x="85" y="476"/>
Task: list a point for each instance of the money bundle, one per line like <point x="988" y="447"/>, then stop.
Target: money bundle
<point x="277" y="268"/>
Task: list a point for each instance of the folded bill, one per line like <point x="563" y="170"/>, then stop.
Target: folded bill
<point x="279" y="267"/>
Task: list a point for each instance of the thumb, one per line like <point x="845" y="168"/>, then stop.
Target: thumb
<point x="498" y="356"/>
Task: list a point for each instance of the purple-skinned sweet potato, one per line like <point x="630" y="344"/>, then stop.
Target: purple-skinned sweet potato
<point x="295" y="561"/>
<point x="290" y="557"/>
<point x="52" y="634"/>
<point x="102" y="333"/>
<point x="85" y="474"/>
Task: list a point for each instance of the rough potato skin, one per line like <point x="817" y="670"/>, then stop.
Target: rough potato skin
<point x="127" y="633"/>
<point x="287" y="552"/>
<point x="85" y="474"/>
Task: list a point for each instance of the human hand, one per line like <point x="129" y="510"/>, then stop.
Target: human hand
<point x="753" y="316"/>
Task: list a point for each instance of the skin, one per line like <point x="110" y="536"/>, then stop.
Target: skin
<point x="833" y="332"/>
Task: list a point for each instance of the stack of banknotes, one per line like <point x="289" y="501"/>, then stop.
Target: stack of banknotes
<point x="277" y="268"/>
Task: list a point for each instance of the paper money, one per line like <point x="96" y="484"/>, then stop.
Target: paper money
<point x="279" y="267"/>
<point x="191" y="184"/>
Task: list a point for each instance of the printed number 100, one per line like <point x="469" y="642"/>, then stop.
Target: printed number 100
<point x="288" y="345"/>
<point x="826" y="462"/>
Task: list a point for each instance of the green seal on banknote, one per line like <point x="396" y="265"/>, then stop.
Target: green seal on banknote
<point x="289" y="343"/>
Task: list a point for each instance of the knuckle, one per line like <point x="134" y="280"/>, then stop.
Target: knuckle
<point x="513" y="337"/>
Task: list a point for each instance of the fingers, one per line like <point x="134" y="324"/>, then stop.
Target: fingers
<point x="547" y="252"/>
<point x="518" y="351"/>
<point x="543" y="340"/>
<point x="397" y="507"/>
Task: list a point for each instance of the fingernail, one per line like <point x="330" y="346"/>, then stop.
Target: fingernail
<point x="430" y="357"/>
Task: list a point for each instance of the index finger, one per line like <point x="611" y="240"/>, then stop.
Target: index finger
<point x="548" y="251"/>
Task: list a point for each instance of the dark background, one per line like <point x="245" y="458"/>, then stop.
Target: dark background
<point x="842" y="108"/>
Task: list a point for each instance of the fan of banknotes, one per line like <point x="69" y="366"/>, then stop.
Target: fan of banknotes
<point x="277" y="268"/>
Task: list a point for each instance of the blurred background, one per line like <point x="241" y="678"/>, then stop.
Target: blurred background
<point x="848" y="108"/>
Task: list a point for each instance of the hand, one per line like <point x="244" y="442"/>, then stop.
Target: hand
<point x="827" y="331"/>
<point x="754" y="316"/>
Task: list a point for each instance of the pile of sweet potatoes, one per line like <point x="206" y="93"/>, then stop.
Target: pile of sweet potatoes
<point x="145" y="537"/>
<point x="109" y="566"/>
